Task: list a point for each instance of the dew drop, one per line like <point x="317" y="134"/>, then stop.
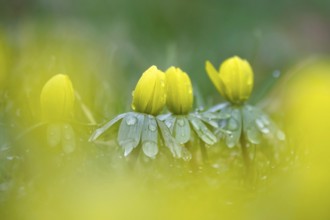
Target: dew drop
<point x="168" y="124"/>
<point x="232" y="124"/>
<point x="280" y="135"/>
<point x="152" y="127"/>
<point x="259" y="123"/>
<point x="276" y="74"/>
<point x="253" y="136"/>
<point x="265" y="120"/>
<point x="230" y="143"/>
<point x="265" y="130"/>
<point x="264" y="178"/>
<point x="10" y="158"/>
<point x="131" y="120"/>
<point x="180" y="122"/>
<point x="150" y="149"/>
<point x="215" y="166"/>
<point x="200" y="109"/>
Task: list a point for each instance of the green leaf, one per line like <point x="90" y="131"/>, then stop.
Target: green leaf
<point x="54" y="134"/>
<point x="98" y="132"/>
<point x="150" y="137"/>
<point x="68" y="138"/>
<point x="182" y="130"/>
<point x="202" y="131"/>
<point x="234" y="128"/>
<point x="129" y="133"/>
<point x="176" y="150"/>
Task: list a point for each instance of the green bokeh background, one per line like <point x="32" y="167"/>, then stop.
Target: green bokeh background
<point x="136" y="34"/>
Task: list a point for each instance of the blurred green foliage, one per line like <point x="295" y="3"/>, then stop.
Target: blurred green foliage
<point x="270" y="34"/>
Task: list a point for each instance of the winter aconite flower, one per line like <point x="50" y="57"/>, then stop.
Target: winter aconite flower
<point x="57" y="98"/>
<point x="179" y="102"/>
<point x="234" y="80"/>
<point x="179" y="91"/>
<point x="142" y="128"/>
<point x="57" y="101"/>
<point x="149" y="95"/>
<point x="239" y="124"/>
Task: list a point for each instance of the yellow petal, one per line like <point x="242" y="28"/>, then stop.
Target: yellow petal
<point x="213" y="75"/>
<point x="236" y="80"/>
<point x="179" y="91"/>
<point x="149" y="95"/>
<point x="57" y="98"/>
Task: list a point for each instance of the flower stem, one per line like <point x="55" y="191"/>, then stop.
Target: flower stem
<point x="199" y="154"/>
<point x="245" y="154"/>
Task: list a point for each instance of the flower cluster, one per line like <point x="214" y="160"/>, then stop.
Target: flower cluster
<point x="242" y="122"/>
<point x="145" y="126"/>
<point x="146" y="129"/>
<point x="230" y="121"/>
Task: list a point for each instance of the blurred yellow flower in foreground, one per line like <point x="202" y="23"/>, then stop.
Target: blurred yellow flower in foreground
<point x="57" y="98"/>
<point x="234" y="80"/>
<point x="179" y="91"/>
<point x="149" y="95"/>
<point x="304" y="96"/>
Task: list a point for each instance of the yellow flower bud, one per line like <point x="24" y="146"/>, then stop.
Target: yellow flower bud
<point x="234" y="80"/>
<point x="57" y="98"/>
<point x="149" y="95"/>
<point x="179" y="91"/>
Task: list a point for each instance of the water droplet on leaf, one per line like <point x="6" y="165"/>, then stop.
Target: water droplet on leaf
<point x="150" y="149"/>
<point x="232" y="124"/>
<point x="280" y="135"/>
<point x="152" y="127"/>
<point x="168" y="124"/>
<point x="260" y="123"/>
<point x="276" y="74"/>
<point x="131" y="120"/>
<point x="180" y="122"/>
<point x="253" y="136"/>
<point x="265" y="130"/>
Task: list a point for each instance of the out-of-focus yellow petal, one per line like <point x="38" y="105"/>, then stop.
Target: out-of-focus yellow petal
<point x="306" y="103"/>
<point x="57" y="98"/>
<point x="149" y="95"/>
<point x="179" y="91"/>
<point x="214" y="76"/>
